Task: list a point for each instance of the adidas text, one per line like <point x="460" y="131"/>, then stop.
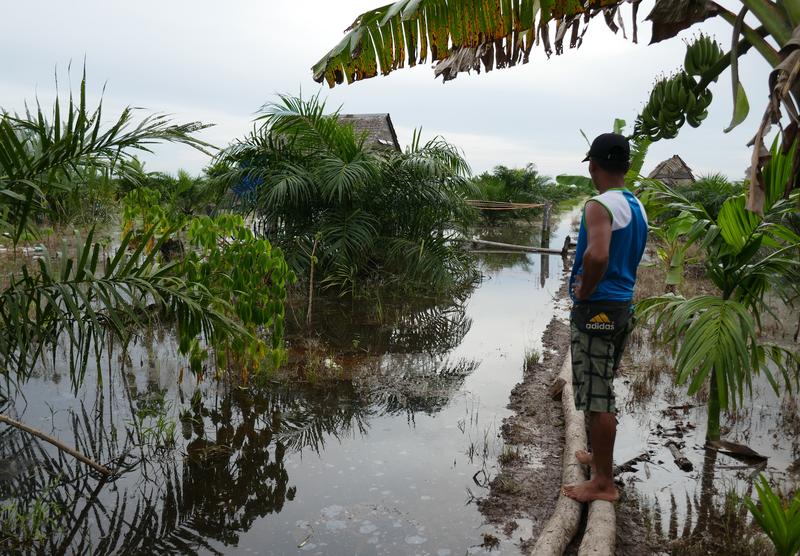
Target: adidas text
<point x="600" y="326"/>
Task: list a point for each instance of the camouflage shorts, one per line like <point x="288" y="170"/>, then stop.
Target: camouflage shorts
<point x="595" y="358"/>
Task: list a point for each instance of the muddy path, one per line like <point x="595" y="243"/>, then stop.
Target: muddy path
<point x="526" y="488"/>
<point x="691" y="506"/>
<point x="524" y="493"/>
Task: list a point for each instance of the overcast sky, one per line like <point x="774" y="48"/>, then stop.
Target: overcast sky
<point x="218" y="62"/>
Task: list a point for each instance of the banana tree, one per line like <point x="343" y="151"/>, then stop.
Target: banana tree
<point x="465" y="35"/>
<point x="748" y="258"/>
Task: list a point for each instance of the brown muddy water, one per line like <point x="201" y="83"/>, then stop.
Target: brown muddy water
<point x="389" y="463"/>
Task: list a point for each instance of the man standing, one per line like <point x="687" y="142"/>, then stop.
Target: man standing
<point x="611" y="242"/>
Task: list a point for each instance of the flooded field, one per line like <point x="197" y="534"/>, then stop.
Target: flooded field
<point x="699" y="503"/>
<point x="388" y="458"/>
<point x="390" y="462"/>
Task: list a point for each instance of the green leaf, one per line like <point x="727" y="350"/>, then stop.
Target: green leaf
<point x="741" y="108"/>
<point x="736" y="224"/>
<point x="580" y="181"/>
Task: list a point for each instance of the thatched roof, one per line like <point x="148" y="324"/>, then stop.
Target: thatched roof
<point x="673" y="171"/>
<point x="378" y="127"/>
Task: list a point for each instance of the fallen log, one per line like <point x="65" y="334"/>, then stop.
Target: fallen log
<point x="736" y="450"/>
<point x="681" y="460"/>
<point x="600" y="536"/>
<point x="55" y="442"/>
<point x="563" y="524"/>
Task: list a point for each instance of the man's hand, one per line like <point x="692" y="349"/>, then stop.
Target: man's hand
<point x="577" y="291"/>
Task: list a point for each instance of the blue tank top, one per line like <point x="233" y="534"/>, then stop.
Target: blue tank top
<point x="628" y="239"/>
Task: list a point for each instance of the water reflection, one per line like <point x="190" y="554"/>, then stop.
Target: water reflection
<point x="714" y="520"/>
<point x="232" y="472"/>
<point x="200" y="466"/>
<point x="517" y="232"/>
<point x="420" y="326"/>
<point x="415" y="384"/>
<point x="196" y="473"/>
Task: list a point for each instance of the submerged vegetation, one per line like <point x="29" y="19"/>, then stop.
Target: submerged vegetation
<point x="85" y="297"/>
<point x="197" y="266"/>
<point x="748" y="258"/>
<point x="307" y="212"/>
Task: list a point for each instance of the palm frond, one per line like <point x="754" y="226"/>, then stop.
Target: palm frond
<point x="91" y="297"/>
<point x="342" y="180"/>
<point x="713" y="333"/>
<point x="348" y="235"/>
<point x="39" y="154"/>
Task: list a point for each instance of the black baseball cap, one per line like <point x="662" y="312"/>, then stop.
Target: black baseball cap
<point x="611" y="148"/>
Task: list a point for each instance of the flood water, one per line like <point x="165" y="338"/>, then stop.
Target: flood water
<point x="387" y="463"/>
<point x="688" y="503"/>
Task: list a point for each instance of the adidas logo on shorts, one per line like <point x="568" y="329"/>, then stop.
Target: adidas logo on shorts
<point x="600" y="322"/>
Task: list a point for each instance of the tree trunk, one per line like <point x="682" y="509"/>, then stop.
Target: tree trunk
<point x="311" y="282"/>
<point x="712" y="431"/>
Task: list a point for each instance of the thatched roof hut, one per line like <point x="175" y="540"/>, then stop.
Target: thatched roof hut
<point x="673" y="172"/>
<point x="378" y="127"/>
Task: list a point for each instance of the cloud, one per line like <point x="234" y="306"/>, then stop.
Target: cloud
<point x="218" y="62"/>
<point x="485" y="151"/>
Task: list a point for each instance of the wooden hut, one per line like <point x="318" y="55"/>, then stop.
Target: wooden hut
<point x="673" y="172"/>
<point x="378" y="127"/>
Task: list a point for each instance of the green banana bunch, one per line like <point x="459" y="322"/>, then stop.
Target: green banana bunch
<point x="673" y="100"/>
<point x="701" y="55"/>
<point x="672" y="103"/>
<point x="695" y="117"/>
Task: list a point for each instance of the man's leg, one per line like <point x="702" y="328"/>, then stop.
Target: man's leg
<point x="595" y="356"/>
<point x="603" y="431"/>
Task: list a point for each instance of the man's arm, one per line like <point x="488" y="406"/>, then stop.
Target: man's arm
<point x="595" y="258"/>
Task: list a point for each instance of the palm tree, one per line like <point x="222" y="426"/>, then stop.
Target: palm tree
<point x="83" y="300"/>
<point x="748" y="258"/>
<point x="711" y="191"/>
<point x="42" y="158"/>
<point x="354" y="211"/>
<point x="460" y="35"/>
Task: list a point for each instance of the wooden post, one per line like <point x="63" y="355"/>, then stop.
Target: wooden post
<point x="544" y="271"/>
<point x="567" y="244"/>
<point x="546" y="226"/>
<point x="311" y="282"/>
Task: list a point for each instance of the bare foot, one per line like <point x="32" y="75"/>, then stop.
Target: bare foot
<point x="584" y="457"/>
<point x="592" y="490"/>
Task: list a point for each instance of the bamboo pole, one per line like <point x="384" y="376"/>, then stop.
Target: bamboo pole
<point x="511" y="246"/>
<point x="55" y="442"/>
